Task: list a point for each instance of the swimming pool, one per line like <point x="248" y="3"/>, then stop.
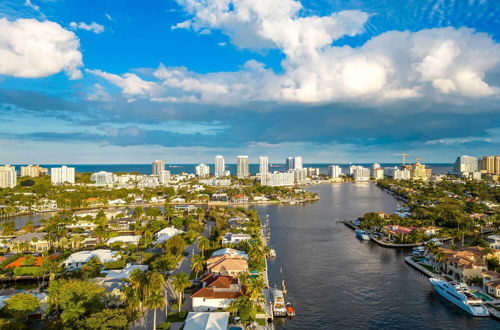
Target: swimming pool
<point x="482" y="296"/>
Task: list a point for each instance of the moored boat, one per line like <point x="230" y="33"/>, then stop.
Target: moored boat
<point x="279" y="308"/>
<point x="460" y="296"/>
<point x="362" y="235"/>
<point x="290" y="311"/>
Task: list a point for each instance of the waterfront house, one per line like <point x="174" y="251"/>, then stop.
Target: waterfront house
<point x="166" y="233"/>
<point x="235" y="238"/>
<point x="493" y="288"/>
<point x="490" y="276"/>
<point x="430" y="230"/>
<point x="78" y="259"/>
<point x="182" y="208"/>
<point x="494" y="241"/>
<point x="240" y="199"/>
<point x="109" y="213"/>
<point x="465" y="264"/>
<point x="230" y="252"/>
<point x="207" y="321"/>
<point x="124" y="239"/>
<point x="219" y="197"/>
<point x="34" y="242"/>
<point x="226" y="265"/>
<point x="82" y="224"/>
<point x="218" y="292"/>
<point x="178" y="200"/>
<point x="238" y="223"/>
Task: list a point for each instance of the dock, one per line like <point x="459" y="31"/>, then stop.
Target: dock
<point x="423" y="270"/>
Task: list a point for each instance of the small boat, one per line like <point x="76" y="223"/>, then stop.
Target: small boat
<point x="459" y="294"/>
<point x="290" y="311"/>
<point x="362" y="235"/>
<point x="418" y="251"/>
<point x="272" y="253"/>
<point x="278" y="303"/>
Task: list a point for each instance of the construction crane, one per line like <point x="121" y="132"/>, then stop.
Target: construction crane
<point x="403" y="155"/>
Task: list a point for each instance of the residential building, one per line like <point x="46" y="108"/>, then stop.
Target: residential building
<point x="164" y="177"/>
<point x="465" y="264"/>
<point x="216" y="182"/>
<point x="166" y="233"/>
<point x="297" y="163"/>
<point x="158" y="166"/>
<point x="263" y="166"/>
<point x="207" y="321"/>
<point x="220" y="167"/>
<point x="125" y="239"/>
<point x="361" y="174"/>
<point x="202" y="170"/>
<point x="226" y="266"/>
<point x="278" y="179"/>
<point x="312" y="171"/>
<point x="378" y="173"/>
<point x="465" y="164"/>
<point x="78" y="259"/>
<point x="490" y="165"/>
<point x="235" y="238"/>
<point x="230" y="252"/>
<point x="121" y="224"/>
<point x="334" y="171"/>
<point x="290" y="164"/>
<point x="8" y="176"/>
<point x="376" y="166"/>
<point x="34" y="242"/>
<point x="61" y="175"/>
<point x="242" y="167"/>
<point x="396" y="174"/>
<point x="148" y="181"/>
<point x="418" y="171"/>
<point x="299" y="175"/>
<point x="33" y="171"/>
<point x="240" y="199"/>
<point x="102" y="178"/>
<point x="219" y="197"/>
<point x="218" y="292"/>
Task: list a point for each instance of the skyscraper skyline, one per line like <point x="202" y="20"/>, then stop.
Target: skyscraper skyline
<point x="220" y="168"/>
<point x="158" y="167"/>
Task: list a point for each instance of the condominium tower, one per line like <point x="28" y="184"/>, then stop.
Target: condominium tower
<point x="242" y="168"/>
<point x="158" y="167"/>
<point x="219" y="166"/>
<point x="63" y="174"/>
<point x="8" y="176"/>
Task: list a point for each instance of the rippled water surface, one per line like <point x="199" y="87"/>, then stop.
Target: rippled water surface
<point x="336" y="281"/>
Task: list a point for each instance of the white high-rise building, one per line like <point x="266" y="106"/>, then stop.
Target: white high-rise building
<point x="263" y="165"/>
<point x="334" y="171"/>
<point x="220" y="166"/>
<point x="8" y="176"/>
<point x="396" y="174"/>
<point x="376" y="166"/>
<point x="242" y="167"/>
<point x="278" y="179"/>
<point x="164" y="177"/>
<point x="466" y="164"/>
<point x="300" y="175"/>
<point x="202" y="170"/>
<point x="158" y="166"/>
<point x="63" y="174"/>
<point x="352" y="168"/>
<point x="103" y="178"/>
<point x="378" y="173"/>
<point x="361" y="174"/>
<point x="297" y="163"/>
<point x="31" y="171"/>
<point x="290" y="163"/>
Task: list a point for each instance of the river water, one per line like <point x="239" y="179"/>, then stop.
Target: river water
<point x="336" y="281"/>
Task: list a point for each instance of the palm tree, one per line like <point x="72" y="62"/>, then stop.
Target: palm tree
<point x="203" y="244"/>
<point x="156" y="300"/>
<point x="197" y="263"/>
<point x="254" y="288"/>
<point x="180" y="282"/>
<point x="139" y="282"/>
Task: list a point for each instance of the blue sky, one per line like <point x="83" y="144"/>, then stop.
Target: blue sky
<point x="86" y="81"/>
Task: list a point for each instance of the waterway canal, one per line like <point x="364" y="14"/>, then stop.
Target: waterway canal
<point x="336" y="281"/>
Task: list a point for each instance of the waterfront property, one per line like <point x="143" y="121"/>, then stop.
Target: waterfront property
<point x="207" y="321"/>
<point x="34" y="242"/>
<point x="217" y="292"/>
<point x="227" y="265"/>
<point x="235" y="238"/>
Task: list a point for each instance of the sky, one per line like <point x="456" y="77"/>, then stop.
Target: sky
<point x="122" y="81"/>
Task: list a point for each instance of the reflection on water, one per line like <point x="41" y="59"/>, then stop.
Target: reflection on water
<point x="336" y="281"/>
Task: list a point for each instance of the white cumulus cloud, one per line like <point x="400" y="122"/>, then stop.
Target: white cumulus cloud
<point x="92" y="27"/>
<point x="32" y="49"/>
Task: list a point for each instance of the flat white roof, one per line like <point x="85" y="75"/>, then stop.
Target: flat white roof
<point x="208" y="321"/>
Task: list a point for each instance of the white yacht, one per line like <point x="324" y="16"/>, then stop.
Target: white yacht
<point x="460" y="296"/>
<point x="279" y="307"/>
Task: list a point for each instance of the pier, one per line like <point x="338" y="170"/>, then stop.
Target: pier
<point x="422" y="269"/>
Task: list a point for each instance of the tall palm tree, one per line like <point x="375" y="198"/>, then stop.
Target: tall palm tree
<point x="156" y="300"/>
<point x="197" y="263"/>
<point x="180" y="282"/>
<point x="203" y="244"/>
<point x="254" y="288"/>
